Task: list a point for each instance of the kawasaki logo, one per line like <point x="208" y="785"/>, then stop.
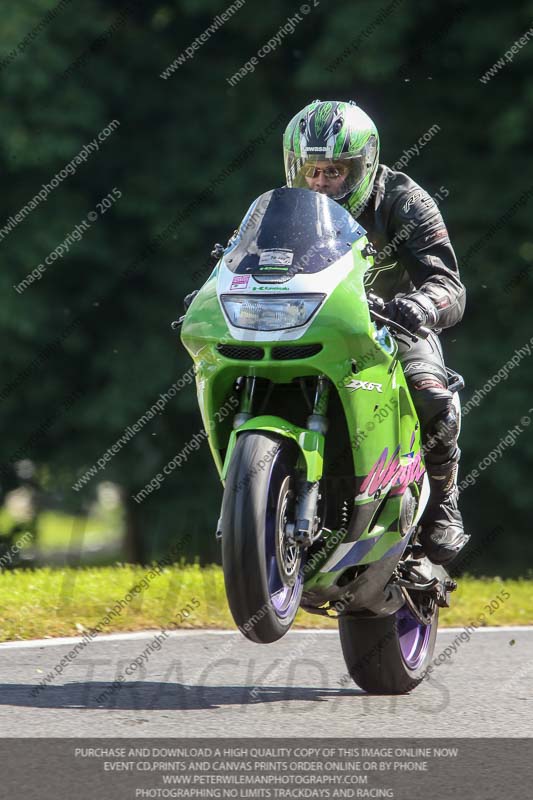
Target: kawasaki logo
<point x="270" y="288"/>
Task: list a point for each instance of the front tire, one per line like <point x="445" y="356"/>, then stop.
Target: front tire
<point x="388" y="655"/>
<point x="263" y="573"/>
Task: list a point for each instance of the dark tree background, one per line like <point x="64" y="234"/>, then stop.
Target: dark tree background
<point x="87" y="348"/>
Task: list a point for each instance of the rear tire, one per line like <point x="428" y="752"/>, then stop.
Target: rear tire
<point x="263" y="574"/>
<point x="388" y="655"/>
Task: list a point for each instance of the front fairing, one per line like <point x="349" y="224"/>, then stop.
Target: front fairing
<point x="350" y="347"/>
<point x="291" y="231"/>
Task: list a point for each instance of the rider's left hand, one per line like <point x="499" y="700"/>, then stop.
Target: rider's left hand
<point x="187" y="300"/>
<point x="412" y="312"/>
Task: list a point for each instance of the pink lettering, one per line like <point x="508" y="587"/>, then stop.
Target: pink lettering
<point x="388" y="472"/>
<point x="373" y="480"/>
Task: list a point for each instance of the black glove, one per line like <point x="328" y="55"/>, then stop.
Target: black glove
<point x="217" y="252"/>
<point x="412" y="311"/>
<point x="189" y="298"/>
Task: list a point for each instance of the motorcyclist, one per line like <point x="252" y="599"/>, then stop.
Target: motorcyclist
<point x="332" y="147"/>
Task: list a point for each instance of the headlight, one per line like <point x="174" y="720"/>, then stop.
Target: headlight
<point x="270" y="313"/>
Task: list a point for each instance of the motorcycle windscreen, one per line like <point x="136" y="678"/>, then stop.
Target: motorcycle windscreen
<point x="290" y="231"/>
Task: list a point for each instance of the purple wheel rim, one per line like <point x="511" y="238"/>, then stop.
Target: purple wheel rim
<point x="285" y="598"/>
<point x="413" y="638"/>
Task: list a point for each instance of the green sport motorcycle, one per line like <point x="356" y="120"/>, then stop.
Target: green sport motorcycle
<point x="316" y="440"/>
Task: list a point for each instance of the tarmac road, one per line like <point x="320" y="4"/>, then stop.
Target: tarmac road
<point x="200" y="683"/>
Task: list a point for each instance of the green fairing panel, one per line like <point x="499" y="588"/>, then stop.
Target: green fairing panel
<point x="311" y="443"/>
<point x="347" y="335"/>
<point x="385" y="532"/>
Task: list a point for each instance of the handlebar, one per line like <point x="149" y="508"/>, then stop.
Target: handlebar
<point x="177" y="323"/>
<point x="377" y="304"/>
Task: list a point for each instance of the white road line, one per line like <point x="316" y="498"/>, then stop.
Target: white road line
<point x="118" y="637"/>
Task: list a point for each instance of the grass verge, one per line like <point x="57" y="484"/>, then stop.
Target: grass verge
<point x="67" y="602"/>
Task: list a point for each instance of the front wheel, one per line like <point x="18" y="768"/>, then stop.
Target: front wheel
<point x="389" y="655"/>
<point x="263" y="572"/>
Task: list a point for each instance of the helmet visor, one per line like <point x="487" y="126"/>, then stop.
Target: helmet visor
<point x="333" y="177"/>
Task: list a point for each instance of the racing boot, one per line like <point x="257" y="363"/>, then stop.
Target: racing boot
<point x="442" y="534"/>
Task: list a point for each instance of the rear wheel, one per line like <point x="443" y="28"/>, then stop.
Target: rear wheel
<point x="263" y="572"/>
<point x="389" y="655"/>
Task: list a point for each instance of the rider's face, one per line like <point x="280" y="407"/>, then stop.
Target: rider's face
<point x="318" y="180"/>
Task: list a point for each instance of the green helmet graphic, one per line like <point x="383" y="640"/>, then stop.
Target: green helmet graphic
<point x="336" y="132"/>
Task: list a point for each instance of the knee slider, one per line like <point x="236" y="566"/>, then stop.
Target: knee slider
<point x="444" y="427"/>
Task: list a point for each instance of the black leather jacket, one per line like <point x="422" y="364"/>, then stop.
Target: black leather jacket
<point x="414" y="255"/>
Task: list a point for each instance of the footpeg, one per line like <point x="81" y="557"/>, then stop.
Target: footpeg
<point x="417" y="551"/>
<point x="445" y="587"/>
<point x="423" y="576"/>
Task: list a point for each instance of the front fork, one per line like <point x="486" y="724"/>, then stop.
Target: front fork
<point x="305" y="530"/>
